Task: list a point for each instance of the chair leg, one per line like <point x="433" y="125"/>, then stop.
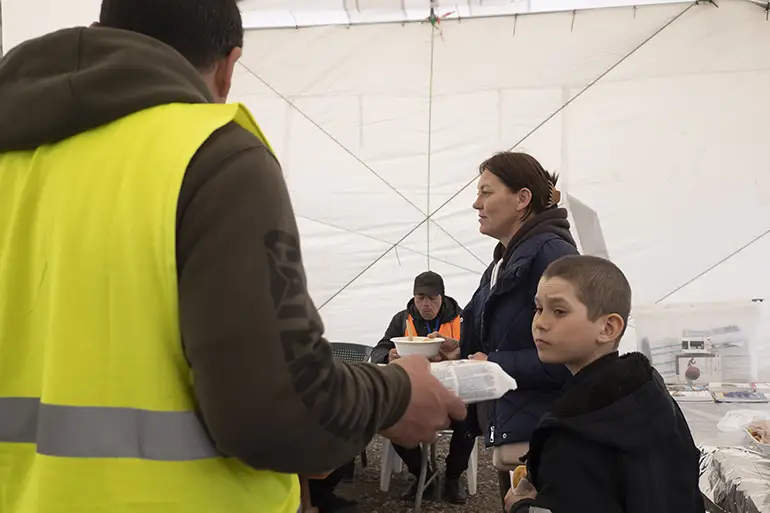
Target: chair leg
<point x="437" y="476"/>
<point x="504" y="480"/>
<point x="421" y="480"/>
<point x="473" y="469"/>
<point x="387" y="462"/>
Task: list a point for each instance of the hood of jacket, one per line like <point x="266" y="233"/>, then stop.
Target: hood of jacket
<point x="77" y="79"/>
<point x="554" y="220"/>
<point x="620" y="401"/>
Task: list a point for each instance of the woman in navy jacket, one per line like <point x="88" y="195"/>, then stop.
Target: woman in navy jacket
<point x="517" y="205"/>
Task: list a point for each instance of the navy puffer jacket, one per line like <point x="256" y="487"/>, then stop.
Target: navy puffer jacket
<point x="498" y="322"/>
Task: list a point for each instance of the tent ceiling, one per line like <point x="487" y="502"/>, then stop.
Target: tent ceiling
<point x="301" y="13"/>
<point x="378" y="126"/>
<point x="376" y="5"/>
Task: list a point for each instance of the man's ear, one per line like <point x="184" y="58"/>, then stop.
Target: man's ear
<point x="223" y="75"/>
<point x="612" y="327"/>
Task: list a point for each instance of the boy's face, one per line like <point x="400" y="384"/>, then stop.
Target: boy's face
<point x="562" y="331"/>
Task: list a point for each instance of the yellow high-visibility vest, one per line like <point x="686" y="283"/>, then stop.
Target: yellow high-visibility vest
<point x="97" y="411"/>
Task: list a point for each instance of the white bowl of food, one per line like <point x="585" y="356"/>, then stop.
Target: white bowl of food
<point x="420" y="346"/>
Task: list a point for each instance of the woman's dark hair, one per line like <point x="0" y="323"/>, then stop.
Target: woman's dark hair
<point x="203" y="31"/>
<point x="520" y="170"/>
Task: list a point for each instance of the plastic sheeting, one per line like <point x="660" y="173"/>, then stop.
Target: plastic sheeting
<point x="668" y="145"/>
<point x="730" y="327"/>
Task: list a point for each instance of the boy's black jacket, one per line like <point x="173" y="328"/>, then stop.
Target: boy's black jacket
<point x="614" y="442"/>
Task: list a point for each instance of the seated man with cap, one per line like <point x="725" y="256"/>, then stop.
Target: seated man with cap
<point x="431" y="313"/>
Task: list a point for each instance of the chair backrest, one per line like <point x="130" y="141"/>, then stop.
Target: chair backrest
<point x="351" y="353"/>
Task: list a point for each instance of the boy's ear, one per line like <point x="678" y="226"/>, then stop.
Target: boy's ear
<point x="612" y="327"/>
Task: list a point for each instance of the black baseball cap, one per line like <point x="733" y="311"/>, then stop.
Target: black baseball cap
<point x="429" y="283"/>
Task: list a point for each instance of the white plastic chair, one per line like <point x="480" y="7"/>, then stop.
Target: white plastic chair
<point x="390" y="463"/>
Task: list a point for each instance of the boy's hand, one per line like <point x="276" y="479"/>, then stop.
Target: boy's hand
<point x="481" y="357"/>
<point x="525" y="490"/>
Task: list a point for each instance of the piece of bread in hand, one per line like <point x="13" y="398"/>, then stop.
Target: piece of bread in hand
<point x="517" y="475"/>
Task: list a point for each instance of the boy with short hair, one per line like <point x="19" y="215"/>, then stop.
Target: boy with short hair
<point x="615" y="441"/>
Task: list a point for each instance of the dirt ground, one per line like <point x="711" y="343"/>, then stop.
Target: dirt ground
<point x="365" y="487"/>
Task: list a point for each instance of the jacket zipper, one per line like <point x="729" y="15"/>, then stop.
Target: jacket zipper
<point x="492" y="434"/>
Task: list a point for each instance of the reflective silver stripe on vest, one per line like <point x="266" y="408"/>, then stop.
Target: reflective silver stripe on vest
<point x="95" y="432"/>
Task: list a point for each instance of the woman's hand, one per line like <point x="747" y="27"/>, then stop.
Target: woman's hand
<point x="481" y="357"/>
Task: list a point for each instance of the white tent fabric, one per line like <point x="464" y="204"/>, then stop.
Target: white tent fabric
<point x="669" y="147"/>
<point x="25" y="19"/>
<point x="378" y="126"/>
<point x="302" y="13"/>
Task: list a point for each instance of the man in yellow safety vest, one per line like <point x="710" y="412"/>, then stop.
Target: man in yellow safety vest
<point x="158" y="349"/>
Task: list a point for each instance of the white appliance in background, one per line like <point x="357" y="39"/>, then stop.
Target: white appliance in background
<point x="698" y="368"/>
<point x="696" y="345"/>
